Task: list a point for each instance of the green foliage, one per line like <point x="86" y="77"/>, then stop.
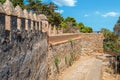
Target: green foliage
<point x="109" y="36"/>
<point x="86" y="29"/>
<point x="83" y="28"/>
<point x="66" y="60"/>
<point x="63" y="24"/>
<point x="70" y="21"/>
<point x="15" y="3"/>
<point x="117" y="27"/>
<point x="69" y="25"/>
<point x="108" y="46"/>
<point x="111" y="41"/>
<point x="71" y="40"/>
<point x="57" y="61"/>
<point x="2" y="1"/>
<point x="70" y="62"/>
<point x="80" y="25"/>
<point x="72" y="55"/>
<point x="56" y="19"/>
<point x="118" y="39"/>
<point x="34" y="5"/>
<point x="105" y="32"/>
<point x="18" y="2"/>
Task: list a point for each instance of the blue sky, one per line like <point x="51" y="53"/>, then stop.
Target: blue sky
<point x="94" y="13"/>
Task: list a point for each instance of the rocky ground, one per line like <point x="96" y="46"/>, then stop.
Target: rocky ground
<point x="108" y="74"/>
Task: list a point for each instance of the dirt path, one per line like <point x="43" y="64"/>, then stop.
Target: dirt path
<point x="82" y="70"/>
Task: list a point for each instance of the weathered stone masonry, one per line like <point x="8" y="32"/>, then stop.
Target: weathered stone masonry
<point x="25" y="53"/>
<point x="23" y="44"/>
<point x="70" y="48"/>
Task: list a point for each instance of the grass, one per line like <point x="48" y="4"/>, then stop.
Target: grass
<point x="57" y="61"/>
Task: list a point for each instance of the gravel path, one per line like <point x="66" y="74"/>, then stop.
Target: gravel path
<point x="82" y="70"/>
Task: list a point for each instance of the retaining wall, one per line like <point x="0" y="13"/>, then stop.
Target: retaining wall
<point x="69" y="47"/>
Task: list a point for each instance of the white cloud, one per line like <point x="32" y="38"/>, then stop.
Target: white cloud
<point x="97" y="12"/>
<point x="59" y="11"/>
<point x="112" y="14"/>
<point x="65" y="2"/>
<point x="86" y="15"/>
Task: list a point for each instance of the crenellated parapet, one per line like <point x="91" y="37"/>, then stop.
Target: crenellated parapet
<point x="2" y="9"/>
<point x="10" y="17"/>
<point x="17" y="24"/>
<point x="28" y="20"/>
<point x="35" y="19"/>
<point x="53" y="30"/>
<point x="44" y="22"/>
<point x="31" y="18"/>
<point x="9" y="8"/>
<point x="14" y="18"/>
<point x="2" y="15"/>
<point x="20" y="19"/>
<point x="19" y="11"/>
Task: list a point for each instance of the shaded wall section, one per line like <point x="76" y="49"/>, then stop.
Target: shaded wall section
<point x="24" y="58"/>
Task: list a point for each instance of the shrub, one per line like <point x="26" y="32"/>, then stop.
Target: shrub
<point x="57" y="61"/>
<point x="66" y="60"/>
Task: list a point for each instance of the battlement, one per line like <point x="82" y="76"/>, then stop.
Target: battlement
<point x="14" y="18"/>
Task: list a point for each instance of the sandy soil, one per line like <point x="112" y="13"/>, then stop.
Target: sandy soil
<point x="79" y="70"/>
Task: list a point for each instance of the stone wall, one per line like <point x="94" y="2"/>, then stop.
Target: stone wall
<point x="92" y="43"/>
<point x="25" y="53"/>
<point x="23" y="45"/>
<point x="65" y="51"/>
<point x="24" y="60"/>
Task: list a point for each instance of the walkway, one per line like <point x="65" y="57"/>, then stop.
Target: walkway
<point x="62" y="38"/>
<point x="87" y="69"/>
